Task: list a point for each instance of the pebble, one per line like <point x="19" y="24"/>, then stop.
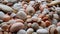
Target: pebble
<point x="16" y="27"/>
<point x="42" y="31"/>
<point x="21" y="32"/>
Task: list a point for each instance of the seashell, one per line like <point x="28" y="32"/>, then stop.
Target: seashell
<point x="21" y="32"/>
<point x="42" y="31"/>
<point x="22" y="15"/>
<point x="35" y="26"/>
<point x="6" y="18"/>
<point x="16" y="27"/>
<point x="58" y="24"/>
<point x="30" y="31"/>
<point x="6" y="8"/>
<point x="30" y="10"/>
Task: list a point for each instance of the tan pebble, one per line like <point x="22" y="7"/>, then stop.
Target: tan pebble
<point x="16" y="27"/>
<point x="6" y="18"/>
<point x="30" y="31"/>
<point x="30" y="10"/>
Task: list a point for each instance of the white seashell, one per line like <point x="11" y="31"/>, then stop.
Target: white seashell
<point x="21" y="32"/>
<point x="21" y="15"/>
<point x="30" y="31"/>
<point x="6" y="8"/>
<point x="42" y="31"/>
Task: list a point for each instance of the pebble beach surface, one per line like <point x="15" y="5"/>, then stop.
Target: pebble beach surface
<point x="29" y="16"/>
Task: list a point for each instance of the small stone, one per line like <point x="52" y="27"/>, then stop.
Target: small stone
<point x="21" y="32"/>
